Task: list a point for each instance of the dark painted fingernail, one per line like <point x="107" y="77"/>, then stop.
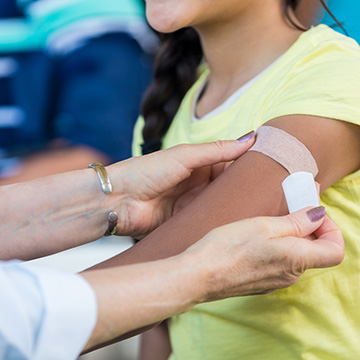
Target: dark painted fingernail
<point x="246" y="137"/>
<point x="316" y="214"/>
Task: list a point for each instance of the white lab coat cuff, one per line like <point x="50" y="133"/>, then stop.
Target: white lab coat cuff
<point x="70" y="314"/>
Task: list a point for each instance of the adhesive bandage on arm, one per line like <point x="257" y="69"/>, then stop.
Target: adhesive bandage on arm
<point x="299" y="187"/>
<point x="285" y="149"/>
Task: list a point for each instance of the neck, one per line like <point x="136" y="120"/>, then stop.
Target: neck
<point x="239" y="48"/>
<point x="236" y="50"/>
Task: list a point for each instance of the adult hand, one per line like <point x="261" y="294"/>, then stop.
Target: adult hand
<point x="249" y="257"/>
<point x="260" y="255"/>
<point x="153" y="187"/>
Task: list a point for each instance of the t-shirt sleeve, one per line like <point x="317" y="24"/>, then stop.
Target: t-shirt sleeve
<point x="326" y="83"/>
<point x="44" y="313"/>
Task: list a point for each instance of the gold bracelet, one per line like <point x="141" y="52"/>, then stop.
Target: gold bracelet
<point x="107" y="189"/>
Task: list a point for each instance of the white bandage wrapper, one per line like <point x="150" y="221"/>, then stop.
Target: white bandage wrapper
<point x="300" y="191"/>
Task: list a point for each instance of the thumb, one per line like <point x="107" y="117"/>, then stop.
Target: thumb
<point x="326" y="250"/>
<point x="198" y="155"/>
<point x="330" y="244"/>
<point x="299" y="224"/>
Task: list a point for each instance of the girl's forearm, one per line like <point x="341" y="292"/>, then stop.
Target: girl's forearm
<point x="53" y="213"/>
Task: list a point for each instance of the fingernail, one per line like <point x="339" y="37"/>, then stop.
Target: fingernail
<point x="246" y="137"/>
<point x="316" y="214"/>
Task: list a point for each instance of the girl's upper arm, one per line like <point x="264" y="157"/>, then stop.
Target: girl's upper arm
<point x="251" y="186"/>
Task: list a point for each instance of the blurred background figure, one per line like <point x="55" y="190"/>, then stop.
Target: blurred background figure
<point x="72" y="74"/>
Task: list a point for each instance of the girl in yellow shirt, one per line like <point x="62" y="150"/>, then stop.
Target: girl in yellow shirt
<point x="260" y="67"/>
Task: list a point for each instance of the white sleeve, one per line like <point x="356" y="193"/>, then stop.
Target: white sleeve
<point x="44" y="313"/>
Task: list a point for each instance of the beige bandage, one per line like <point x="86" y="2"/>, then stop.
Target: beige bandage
<point x="284" y="149"/>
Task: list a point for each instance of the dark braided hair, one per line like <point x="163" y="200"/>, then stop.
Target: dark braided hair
<point x="175" y="72"/>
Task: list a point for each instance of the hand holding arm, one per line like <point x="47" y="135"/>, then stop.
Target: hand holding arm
<point x="57" y="212"/>
<point x="252" y="256"/>
<point x="248" y="188"/>
<point x="156" y="186"/>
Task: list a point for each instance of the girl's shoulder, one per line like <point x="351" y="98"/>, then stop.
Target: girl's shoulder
<point x="319" y="76"/>
<point x="323" y="44"/>
<point x="321" y="59"/>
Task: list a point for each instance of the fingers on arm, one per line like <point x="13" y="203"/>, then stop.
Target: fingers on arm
<point x="194" y="156"/>
<point x="330" y="242"/>
<point x="326" y="250"/>
<point x="298" y="224"/>
<point x="250" y="187"/>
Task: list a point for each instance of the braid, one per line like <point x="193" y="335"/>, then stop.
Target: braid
<point x="175" y="72"/>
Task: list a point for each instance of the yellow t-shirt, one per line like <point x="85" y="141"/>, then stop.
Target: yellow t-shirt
<point x="318" y="317"/>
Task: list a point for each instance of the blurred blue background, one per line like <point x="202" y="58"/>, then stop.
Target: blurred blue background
<point x="72" y="75"/>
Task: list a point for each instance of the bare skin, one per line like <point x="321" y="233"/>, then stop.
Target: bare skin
<point x="309" y="12"/>
<point x="249" y="257"/>
<point x="145" y="193"/>
<point x="56" y="206"/>
<point x="254" y="33"/>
